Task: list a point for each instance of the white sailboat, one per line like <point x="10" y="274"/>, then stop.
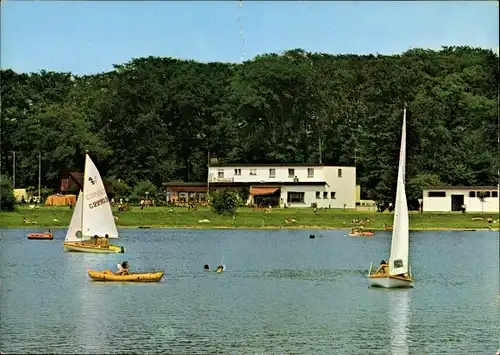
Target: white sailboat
<point x="92" y="216"/>
<point x="398" y="272"/>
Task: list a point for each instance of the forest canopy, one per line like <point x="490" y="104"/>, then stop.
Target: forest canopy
<point x="158" y="118"/>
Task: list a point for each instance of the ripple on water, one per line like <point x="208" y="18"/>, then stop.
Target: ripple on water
<point x="313" y="274"/>
<point x="281" y="294"/>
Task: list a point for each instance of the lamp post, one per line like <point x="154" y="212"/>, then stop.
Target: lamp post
<point x="147" y="201"/>
<point x="420" y="204"/>
<point x="39" y="176"/>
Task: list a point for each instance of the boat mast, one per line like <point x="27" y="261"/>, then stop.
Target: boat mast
<point x="83" y="191"/>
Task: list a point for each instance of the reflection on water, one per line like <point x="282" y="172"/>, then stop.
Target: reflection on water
<point x="399" y="314"/>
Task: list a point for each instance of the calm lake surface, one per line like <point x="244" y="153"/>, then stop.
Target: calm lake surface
<point x="282" y="293"/>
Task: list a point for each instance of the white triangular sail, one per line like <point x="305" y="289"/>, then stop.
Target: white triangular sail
<point x="398" y="260"/>
<point x="76" y="221"/>
<point x="97" y="215"/>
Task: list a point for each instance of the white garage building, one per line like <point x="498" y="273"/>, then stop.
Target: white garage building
<point x="451" y="198"/>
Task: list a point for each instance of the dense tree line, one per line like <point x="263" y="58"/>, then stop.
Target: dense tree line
<point x="157" y="118"/>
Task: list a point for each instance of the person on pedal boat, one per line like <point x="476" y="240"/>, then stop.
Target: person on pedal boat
<point x="122" y="268"/>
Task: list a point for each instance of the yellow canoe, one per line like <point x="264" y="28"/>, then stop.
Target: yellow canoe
<point x="108" y="275"/>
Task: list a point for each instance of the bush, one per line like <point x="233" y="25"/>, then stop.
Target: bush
<point x="243" y="194"/>
<point x="224" y="201"/>
<point x="45" y="192"/>
<point x="139" y="191"/>
<point x="7" y="199"/>
<point x="120" y="189"/>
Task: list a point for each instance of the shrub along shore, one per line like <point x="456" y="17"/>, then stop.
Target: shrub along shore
<point x="203" y="218"/>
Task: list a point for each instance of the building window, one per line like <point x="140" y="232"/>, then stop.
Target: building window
<point x="325" y="194"/>
<point x="494" y="193"/>
<point x="253" y="172"/>
<point x="318" y="194"/>
<point x="332" y="195"/>
<point x="272" y="173"/>
<point x="291" y="173"/>
<point x="237" y="172"/>
<point x="339" y="173"/>
<point x="436" y="194"/>
<point x="485" y="193"/>
<point x="472" y="193"/>
<point x="220" y="173"/>
<point x="295" y="197"/>
<point x="310" y="172"/>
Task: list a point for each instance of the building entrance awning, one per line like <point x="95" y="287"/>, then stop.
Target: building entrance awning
<point x="262" y="191"/>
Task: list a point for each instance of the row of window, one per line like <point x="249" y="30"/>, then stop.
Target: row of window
<point x="292" y="197"/>
<point x="486" y="193"/>
<point x="325" y="195"/>
<point x="471" y="193"/>
<point x="272" y="172"/>
<point x="298" y="197"/>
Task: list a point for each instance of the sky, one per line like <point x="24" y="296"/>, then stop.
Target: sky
<point x="89" y="37"/>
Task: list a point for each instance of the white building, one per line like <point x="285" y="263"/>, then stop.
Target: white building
<point x="451" y="198"/>
<point x="289" y="184"/>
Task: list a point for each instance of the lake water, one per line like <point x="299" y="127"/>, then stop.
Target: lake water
<point x="282" y="293"/>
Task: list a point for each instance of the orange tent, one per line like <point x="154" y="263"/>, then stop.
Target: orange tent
<point x="61" y="200"/>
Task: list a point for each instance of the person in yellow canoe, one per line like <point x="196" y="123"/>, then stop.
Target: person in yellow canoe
<point x="122" y="268"/>
<point x="220" y="268"/>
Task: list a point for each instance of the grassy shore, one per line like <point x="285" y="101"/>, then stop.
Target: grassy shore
<point x="163" y="217"/>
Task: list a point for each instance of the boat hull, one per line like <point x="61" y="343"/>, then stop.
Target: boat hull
<point x="109" y="276"/>
<point x="389" y="281"/>
<point x="90" y="248"/>
<point x="367" y="234"/>
<point x="41" y="236"/>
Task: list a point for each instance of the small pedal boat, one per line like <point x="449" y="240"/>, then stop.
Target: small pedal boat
<point x="361" y="234"/>
<point x="41" y="236"/>
<point x="110" y="276"/>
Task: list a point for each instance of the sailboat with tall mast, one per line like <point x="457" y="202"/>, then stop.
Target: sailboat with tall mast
<point x="92" y="220"/>
<point x="397" y="273"/>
